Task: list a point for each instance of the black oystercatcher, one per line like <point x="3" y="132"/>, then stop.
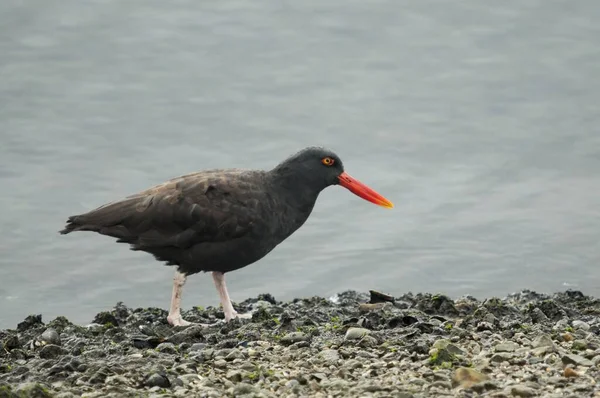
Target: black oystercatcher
<point x="221" y="220"/>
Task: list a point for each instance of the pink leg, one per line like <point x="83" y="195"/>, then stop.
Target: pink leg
<point x="230" y="313"/>
<point x="174" y="317"/>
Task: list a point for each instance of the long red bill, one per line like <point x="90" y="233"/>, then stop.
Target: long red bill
<point x="363" y="191"/>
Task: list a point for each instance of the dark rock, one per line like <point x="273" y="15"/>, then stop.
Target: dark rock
<point x="32" y="321"/>
<point x="166" y="348"/>
<point x="378" y="297"/>
<point x="438" y="304"/>
<point x="59" y="324"/>
<point x="106" y="318"/>
<point x="402" y="321"/>
<point x="192" y="334"/>
<point x="32" y="390"/>
<point x="51" y="351"/>
<point x="573" y="359"/>
<point x="10" y="342"/>
<point x="50" y="336"/>
<point x="157" y="380"/>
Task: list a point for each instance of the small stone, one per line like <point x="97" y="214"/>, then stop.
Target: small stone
<point x="567" y="336"/>
<point x="379" y="297"/>
<point x="573" y="359"/>
<point x="166" y="348"/>
<point x="501" y="357"/>
<point x="189" y="378"/>
<point x="447" y="345"/>
<point x="10" y="343"/>
<point x="157" y="380"/>
<point x="538" y="316"/>
<point x="542" y="340"/>
<point x="541" y="351"/>
<point x="329" y="356"/>
<point x="466" y="377"/>
<point x="234" y="375"/>
<point x="50" y="336"/>
<point x="98" y="378"/>
<point x="31" y="390"/>
<point x="198" y="346"/>
<point x="51" y="351"/>
<point x="579" y="345"/>
<point x="484" y="386"/>
<point x="506" y="347"/>
<point x="442" y="384"/>
<point x="294" y="337"/>
<point x="367" y="307"/>
<point x="580" y="325"/>
<point x="243" y="388"/>
<point x="523" y="391"/>
<point x="95" y="328"/>
<point x="234" y="354"/>
<point x="569" y="372"/>
<point x="356" y="333"/>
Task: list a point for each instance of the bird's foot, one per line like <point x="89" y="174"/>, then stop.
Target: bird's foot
<point x="229" y="317"/>
<point x="177" y="321"/>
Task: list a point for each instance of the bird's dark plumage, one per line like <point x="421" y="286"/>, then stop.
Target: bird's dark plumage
<point x="215" y="220"/>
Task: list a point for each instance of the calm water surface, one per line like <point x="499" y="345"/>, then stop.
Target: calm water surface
<point x="479" y="119"/>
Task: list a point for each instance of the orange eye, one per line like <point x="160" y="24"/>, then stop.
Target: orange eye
<point x="327" y="161"/>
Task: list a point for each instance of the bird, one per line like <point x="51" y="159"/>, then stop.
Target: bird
<point x="221" y="220"/>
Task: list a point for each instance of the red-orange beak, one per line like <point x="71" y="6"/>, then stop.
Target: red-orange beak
<point x="360" y="189"/>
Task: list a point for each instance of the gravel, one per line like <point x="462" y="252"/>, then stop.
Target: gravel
<point x="352" y="345"/>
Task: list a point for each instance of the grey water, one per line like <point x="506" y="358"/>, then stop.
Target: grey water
<point x="479" y="119"/>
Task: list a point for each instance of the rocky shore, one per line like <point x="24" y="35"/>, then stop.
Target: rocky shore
<point x="353" y="345"/>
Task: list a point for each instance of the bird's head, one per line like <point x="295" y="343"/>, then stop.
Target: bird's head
<point x="321" y="168"/>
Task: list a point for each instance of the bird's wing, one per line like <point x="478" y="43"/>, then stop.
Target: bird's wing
<point x="179" y="213"/>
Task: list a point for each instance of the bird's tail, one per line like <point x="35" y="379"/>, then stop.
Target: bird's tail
<point x="107" y="219"/>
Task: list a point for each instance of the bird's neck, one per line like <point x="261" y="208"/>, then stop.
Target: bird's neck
<point x="297" y="189"/>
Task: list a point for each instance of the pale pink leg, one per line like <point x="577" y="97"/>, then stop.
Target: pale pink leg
<point x="230" y="313"/>
<point x="174" y="317"/>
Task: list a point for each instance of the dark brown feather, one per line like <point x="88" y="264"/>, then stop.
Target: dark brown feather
<point x="192" y="221"/>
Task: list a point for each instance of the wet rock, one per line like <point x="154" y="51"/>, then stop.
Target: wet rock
<point x="466" y="377"/>
<point x="30" y="322"/>
<point x="198" y="346"/>
<point x="51" y="351"/>
<point x="10" y="342"/>
<point x="294" y="337"/>
<point x="166" y="348"/>
<point x="579" y="345"/>
<point x="34" y="390"/>
<point x="329" y="356"/>
<point x="378" y="297"/>
<point x="580" y="325"/>
<point x="573" y="359"/>
<point x="506" y="347"/>
<point x="523" y="391"/>
<point x="157" y="380"/>
<point x="50" y="336"/>
<point x="356" y="333"/>
<point x="543" y="340"/>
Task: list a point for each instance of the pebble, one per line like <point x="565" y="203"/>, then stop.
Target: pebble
<point x="50" y="336"/>
<point x="294" y="337"/>
<point x="573" y="359"/>
<point x="580" y="325"/>
<point x="157" y="380"/>
<point x="356" y="333"/>
<point x="523" y="391"/>
<point x="51" y="351"/>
